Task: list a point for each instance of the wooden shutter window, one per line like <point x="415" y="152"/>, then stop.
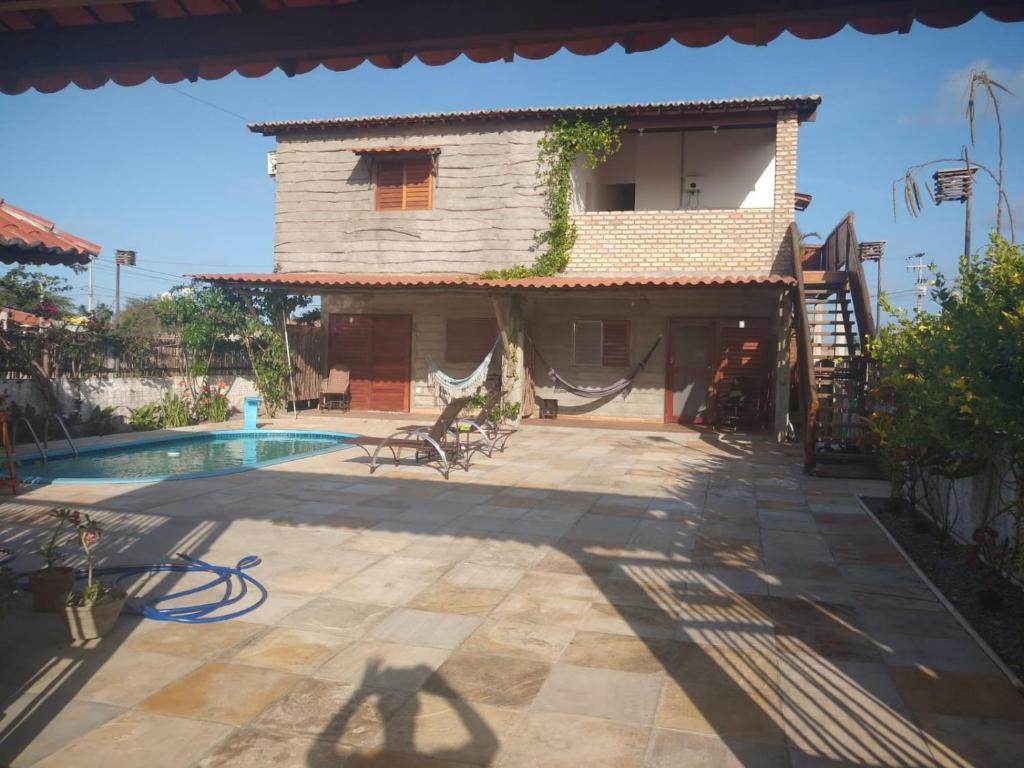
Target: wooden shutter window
<point x="615" y="343"/>
<point x="404" y="185"/>
<point x="469" y="339"/>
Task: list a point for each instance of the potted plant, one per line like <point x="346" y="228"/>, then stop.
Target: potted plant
<point x="92" y="611"/>
<point x="54" y="579"/>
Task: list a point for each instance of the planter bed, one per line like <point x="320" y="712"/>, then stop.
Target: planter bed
<point x="951" y="568"/>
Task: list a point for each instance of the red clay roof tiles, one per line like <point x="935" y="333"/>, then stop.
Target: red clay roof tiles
<point x="26" y="238"/>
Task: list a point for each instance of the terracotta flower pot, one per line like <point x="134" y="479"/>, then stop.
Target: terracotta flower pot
<point x="86" y="622"/>
<point x="48" y="586"/>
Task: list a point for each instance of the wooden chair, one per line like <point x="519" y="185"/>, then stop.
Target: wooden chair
<point x="334" y="390"/>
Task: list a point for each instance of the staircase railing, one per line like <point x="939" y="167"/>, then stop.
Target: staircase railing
<point x="804" y="355"/>
<point x="839" y="253"/>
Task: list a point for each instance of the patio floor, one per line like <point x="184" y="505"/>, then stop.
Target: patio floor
<point x="588" y="598"/>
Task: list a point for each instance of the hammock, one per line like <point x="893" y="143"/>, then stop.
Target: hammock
<point x="448" y="388"/>
<point x="596" y="393"/>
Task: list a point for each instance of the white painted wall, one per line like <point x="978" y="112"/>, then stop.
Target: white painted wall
<point x="123" y="393"/>
<point x="736" y="168"/>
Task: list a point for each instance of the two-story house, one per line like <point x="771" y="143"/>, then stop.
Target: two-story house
<point x="683" y="234"/>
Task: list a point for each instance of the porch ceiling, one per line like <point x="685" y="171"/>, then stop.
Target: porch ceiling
<point x="558" y="282"/>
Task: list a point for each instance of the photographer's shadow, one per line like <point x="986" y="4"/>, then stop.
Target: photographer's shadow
<point x="454" y="715"/>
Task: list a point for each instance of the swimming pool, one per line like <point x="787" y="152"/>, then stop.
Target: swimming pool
<point x="179" y="457"/>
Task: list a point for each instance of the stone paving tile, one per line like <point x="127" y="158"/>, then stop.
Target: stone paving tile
<point x="128" y="677"/>
<point x="340" y="617"/>
<point x="225" y="693"/>
<point x="486" y="576"/>
<point x="959" y="693"/>
<point x="194" y="641"/>
<point x="391" y="665"/>
<point x="451" y="598"/>
<point x="435" y="630"/>
<point x="675" y="749"/>
<point x="551" y="740"/>
<point x="530" y="609"/>
<point x="140" y="740"/>
<point x="530" y="641"/>
<point x="31" y="728"/>
<point x="627" y="697"/>
<point x="289" y="650"/>
<point x="619" y="652"/>
<point x="450" y="729"/>
<point x="258" y="748"/>
<point x="336" y="712"/>
<point x="511" y="682"/>
<point x="956" y="742"/>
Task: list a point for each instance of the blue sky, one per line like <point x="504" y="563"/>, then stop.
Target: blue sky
<point x="184" y="183"/>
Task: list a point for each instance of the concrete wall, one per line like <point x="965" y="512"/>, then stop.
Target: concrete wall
<point x="122" y="393"/>
<point x="487" y="204"/>
<point x="549" y="321"/>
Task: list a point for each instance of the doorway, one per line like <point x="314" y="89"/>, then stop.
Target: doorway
<point x="719" y="371"/>
<point x="377" y="351"/>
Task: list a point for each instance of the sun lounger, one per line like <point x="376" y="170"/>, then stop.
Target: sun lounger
<point x="492" y="434"/>
<point x="437" y="442"/>
<point x="334" y="390"/>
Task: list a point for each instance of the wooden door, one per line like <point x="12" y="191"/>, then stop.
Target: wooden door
<point x="690" y="372"/>
<point x="376" y="349"/>
<point x="745" y="365"/>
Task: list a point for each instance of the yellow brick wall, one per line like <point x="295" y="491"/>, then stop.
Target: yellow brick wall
<point x="735" y="241"/>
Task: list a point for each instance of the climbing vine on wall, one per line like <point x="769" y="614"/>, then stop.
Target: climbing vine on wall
<point x="565" y="141"/>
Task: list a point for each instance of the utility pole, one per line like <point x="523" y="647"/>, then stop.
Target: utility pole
<point x="956" y="185"/>
<point x="125" y="258"/>
<point x="871" y="250"/>
<point x="89" y="295"/>
<point x="916" y="264"/>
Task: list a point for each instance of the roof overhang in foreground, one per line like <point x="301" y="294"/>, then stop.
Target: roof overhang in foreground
<point x="327" y="282"/>
<point x="48" y="44"/>
<point x="26" y="238"/>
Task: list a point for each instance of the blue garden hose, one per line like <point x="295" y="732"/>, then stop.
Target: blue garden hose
<point x="190" y="614"/>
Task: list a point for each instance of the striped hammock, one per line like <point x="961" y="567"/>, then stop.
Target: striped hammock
<point x="448" y="388"/>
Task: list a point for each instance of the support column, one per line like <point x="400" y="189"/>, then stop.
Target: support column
<point x="508" y="310"/>
<point x="782" y="366"/>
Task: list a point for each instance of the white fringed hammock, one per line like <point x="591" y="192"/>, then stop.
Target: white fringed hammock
<point x="448" y="388"/>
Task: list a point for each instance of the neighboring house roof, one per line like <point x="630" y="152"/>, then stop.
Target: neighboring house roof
<point x="371" y="280"/>
<point x="804" y="106"/>
<point x="26" y="238"/>
<point x="17" y="317"/>
<point x="47" y="44"/>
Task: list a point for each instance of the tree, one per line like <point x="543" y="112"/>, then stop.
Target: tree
<point x="141" y="318"/>
<point x="25" y="290"/>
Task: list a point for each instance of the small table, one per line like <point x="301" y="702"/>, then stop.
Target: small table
<point x="548" y="408"/>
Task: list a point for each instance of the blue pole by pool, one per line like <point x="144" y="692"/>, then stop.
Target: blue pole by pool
<point x="250" y="409"/>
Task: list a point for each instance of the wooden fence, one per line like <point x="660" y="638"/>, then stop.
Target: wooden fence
<point x="307" y="349"/>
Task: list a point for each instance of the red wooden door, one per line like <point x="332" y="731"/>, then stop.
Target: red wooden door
<point x="376" y="349"/>
<point x="745" y="365"/>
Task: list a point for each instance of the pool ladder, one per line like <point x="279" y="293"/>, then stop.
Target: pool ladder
<point x="43" y="447"/>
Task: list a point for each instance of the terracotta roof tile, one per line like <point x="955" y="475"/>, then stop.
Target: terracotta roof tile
<point x="26" y="238"/>
<point x="373" y="280"/>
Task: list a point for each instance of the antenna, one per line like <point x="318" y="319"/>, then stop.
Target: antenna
<point x="915" y="263"/>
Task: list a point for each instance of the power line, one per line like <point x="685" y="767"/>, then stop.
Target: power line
<point x="210" y="104"/>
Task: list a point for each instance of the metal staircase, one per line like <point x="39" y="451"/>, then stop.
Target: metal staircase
<point x="834" y="323"/>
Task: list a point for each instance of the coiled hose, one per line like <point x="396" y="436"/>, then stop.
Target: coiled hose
<point x="192" y="614"/>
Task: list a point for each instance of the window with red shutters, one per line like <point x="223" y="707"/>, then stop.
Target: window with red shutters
<point x="469" y="339"/>
<point x="405" y="184"/>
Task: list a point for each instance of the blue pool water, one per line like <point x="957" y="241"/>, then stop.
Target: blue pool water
<point x="180" y="457"/>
